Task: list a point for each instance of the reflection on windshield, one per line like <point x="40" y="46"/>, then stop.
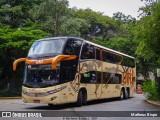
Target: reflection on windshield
<point x="47" y="47"/>
<point x="37" y="78"/>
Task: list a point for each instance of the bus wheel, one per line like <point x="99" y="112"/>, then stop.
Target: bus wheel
<point x="84" y="97"/>
<point x="50" y="105"/>
<point x="79" y="99"/>
<point x="122" y="94"/>
<point x="126" y="94"/>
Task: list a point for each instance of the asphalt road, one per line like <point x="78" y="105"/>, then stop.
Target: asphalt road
<point x="134" y="103"/>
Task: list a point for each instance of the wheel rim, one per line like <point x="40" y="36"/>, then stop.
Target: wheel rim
<point x="127" y="94"/>
<point x="122" y="95"/>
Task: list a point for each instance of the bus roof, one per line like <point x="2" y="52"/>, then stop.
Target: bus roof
<point x="108" y="49"/>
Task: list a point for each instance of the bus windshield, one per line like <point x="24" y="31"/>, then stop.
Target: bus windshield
<point x="40" y="76"/>
<point x="46" y="47"/>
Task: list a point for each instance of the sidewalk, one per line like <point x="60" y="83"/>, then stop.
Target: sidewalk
<point x="157" y="103"/>
<point x="11" y="97"/>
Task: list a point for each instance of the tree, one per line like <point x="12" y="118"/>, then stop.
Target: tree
<point x="15" y="12"/>
<point x="99" y="24"/>
<point x="14" y="43"/>
<point x="121" y="18"/>
<point x="48" y="15"/>
<point x="147" y="32"/>
<point x="73" y="27"/>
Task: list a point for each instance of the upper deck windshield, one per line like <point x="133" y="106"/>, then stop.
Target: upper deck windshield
<point x="46" y="48"/>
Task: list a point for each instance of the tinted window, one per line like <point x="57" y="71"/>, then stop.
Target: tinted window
<point x="98" y="75"/>
<point x="111" y="78"/>
<point x="88" y="51"/>
<point x="91" y="77"/>
<point x="106" y="77"/>
<point x="118" y="59"/>
<point x="88" y="77"/>
<point x="108" y="57"/>
<point x="97" y="54"/>
<point x="68" y="70"/>
<point x="128" y="62"/>
<point x="73" y="47"/>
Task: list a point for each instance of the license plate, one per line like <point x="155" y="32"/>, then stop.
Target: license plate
<point x="36" y="101"/>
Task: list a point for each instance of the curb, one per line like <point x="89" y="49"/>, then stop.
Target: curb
<point x="10" y="97"/>
<point x="153" y="102"/>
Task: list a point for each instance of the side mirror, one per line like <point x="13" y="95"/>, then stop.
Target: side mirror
<point x="61" y="58"/>
<point x="16" y="62"/>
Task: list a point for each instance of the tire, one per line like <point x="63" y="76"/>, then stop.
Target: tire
<point x="51" y="105"/>
<point x="122" y="94"/>
<point x="126" y="94"/>
<point x="79" y="99"/>
<point x="84" y="98"/>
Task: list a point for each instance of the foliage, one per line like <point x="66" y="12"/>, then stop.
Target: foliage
<point x="24" y="21"/>
<point x="149" y="89"/>
<point x="147" y="34"/>
<point x="10" y="92"/>
<point x="14" y="44"/>
<point x="15" y="12"/>
<point x="98" y="24"/>
<point x="48" y="15"/>
<point x="122" y="38"/>
<point x="73" y="27"/>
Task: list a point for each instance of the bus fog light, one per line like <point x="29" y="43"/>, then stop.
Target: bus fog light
<point x="53" y="98"/>
<point x="24" y="92"/>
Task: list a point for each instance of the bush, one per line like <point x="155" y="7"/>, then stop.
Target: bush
<point x="10" y="92"/>
<point x="149" y="89"/>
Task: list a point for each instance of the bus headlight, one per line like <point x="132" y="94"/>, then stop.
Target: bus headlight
<point x="24" y="92"/>
<point x="56" y="90"/>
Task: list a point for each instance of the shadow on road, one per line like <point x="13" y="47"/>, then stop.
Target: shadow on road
<point x="72" y="105"/>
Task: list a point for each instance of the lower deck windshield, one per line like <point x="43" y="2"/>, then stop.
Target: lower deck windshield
<point x="39" y="76"/>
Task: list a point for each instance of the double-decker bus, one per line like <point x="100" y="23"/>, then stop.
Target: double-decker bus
<point x="68" y="69"/>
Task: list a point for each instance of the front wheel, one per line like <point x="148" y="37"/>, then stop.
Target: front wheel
<point x="50" y="105"/>
<point x="79" y="99"/>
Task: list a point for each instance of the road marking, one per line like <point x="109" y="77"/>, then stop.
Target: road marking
<point x="8" y="102"/>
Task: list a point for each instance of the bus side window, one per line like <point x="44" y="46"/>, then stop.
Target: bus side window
<point x="106" y="77"/>
<point x="98" y="77"/>
<point x="73" y="47"/>
<point x="112" y="78"/>
<point x="89" y="77"/>
<point x="104" y="56"/>
<point x="98" y="54"/>
<point x="85" y="78"/>
<point x="67" y="71"/>
<point x="128" y="62"/>
<point x="87" y="51"/>
<point x="118" y="59"/>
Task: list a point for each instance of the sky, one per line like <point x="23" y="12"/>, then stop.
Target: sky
<point x="108" y="7"/>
